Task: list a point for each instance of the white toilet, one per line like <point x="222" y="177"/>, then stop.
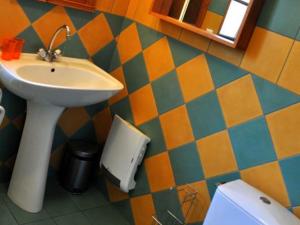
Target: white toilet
<point x="237" y="203"/>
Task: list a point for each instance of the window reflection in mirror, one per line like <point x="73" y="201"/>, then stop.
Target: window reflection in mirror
<point x="233" y="19"/>
<point x="222" y="17"/>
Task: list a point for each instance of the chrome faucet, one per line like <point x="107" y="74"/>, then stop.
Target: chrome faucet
<point x="50" y="55"/>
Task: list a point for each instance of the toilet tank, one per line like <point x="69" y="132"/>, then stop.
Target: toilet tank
<point x="237" y="203"/>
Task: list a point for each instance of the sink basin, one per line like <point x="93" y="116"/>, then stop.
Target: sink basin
<point x="48" y="88"/>
<point x="67" y="83"/>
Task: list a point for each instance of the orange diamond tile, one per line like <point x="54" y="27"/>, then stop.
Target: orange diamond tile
<point x="143" y="105"/>
<point x="228" y="54"/>
<point x="142" y="209"/>
<point x="45" y="29"/>
<point x="97" y="29"/>
<point x="169" y="29"/>
<point x="239" y="101"/>
<point x="72" y="120"/>
<point x="284" y="126"/>
<point x="142" y="13"/>
<point x="104" y="5"/>
<point x="129" y="44"/>
<point x="212" y="21"/>
<point x="296" y="211"/>
<point x="290" y="78"/>
<point x="266" y="54"/>
<point x="268" y="179"/>
<point x="102" y="123"/>
<point x="13" y="19"/>
<point x="194" y="78"/>
<point x="176" y="127"/>
<point x="216" y="154"/>
<point x="120" y="7"/>
<point x="119" y="75"/>
<point x="158" y="59"/>
<point x="194" y="40"/>
<point x="200" y="207"/>
<point x="114" y="193"/>
<point x="159" y="172"/>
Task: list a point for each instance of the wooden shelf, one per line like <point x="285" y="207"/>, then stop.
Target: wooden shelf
<point x="86" y="5"/>
<point x="195" y="29"/>
<point x="164" y="11"/>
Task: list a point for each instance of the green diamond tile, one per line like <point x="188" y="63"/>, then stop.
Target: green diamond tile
<point x="153" y="130"/>
<point x="32" y="40"/>
<point x="142" y="185"/>
<point x="135" y="73"/>
<point x="181" y="52"/>
<point x="218" y="6"/>
<point x="74" y="48"/>
<point x="87" y="132"/>
<point x="115" y="22"/>
<point x="212" y="183"/>
<point x="167" y="92"/>
<point x="291" y="175"/>
<point x="186" y="172"/>
<point x="223" y="72"/>
<point x="148" y="36"/>
<point x="281" y="16"/>
<point x="103" y="57"/>
<point x="34" y="9"/>
<point x="273" y="97"/>
<point x="122" y="108"/>
<point x="80" y="18"/>
<point x="206" y="115"/>
<point x="252" y="143"/>
<point x="167" y="200"/>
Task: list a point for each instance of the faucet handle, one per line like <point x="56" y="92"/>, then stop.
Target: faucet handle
<point x="57" y="53"/>
<point x="42" y="53"/>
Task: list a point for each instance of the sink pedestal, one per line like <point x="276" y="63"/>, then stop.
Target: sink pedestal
<point x="28" y="182"/>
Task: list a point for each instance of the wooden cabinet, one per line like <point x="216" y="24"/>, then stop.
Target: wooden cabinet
<point x="235" y="26"/>
<point x="87" y="5"/>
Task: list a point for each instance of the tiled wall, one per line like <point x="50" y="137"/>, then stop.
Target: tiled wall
<point x="214" y="114"/>
<point x="93" y="36"/>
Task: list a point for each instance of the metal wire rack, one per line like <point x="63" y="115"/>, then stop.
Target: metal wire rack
<point x="167" y="217"/>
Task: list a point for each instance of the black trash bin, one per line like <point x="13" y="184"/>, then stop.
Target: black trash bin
<point x="78" y="166"/>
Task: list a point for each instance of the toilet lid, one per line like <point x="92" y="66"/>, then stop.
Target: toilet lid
<point x="257" y="204"/>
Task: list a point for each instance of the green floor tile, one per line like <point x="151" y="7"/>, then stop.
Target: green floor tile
<point x="43" y="222"/>
<point x="22" y="216"/>
<point x="5" y="217"/>
<point x="91" y="199"/>
<point x="72" y="219"/>
<point x="58" y="201"/>
<point x="105" y="215"/>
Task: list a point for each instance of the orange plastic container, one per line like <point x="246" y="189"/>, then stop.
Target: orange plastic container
<point x="12" y="48"/>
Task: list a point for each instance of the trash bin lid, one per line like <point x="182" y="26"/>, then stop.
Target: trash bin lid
<point x="83" y="149"/>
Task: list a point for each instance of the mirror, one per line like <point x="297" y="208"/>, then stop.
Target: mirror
<point x="224" y="21"/>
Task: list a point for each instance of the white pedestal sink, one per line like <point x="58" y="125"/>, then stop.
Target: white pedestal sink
<point x="48" y="88"/>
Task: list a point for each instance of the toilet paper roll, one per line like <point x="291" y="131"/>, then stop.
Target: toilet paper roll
<point x="2" y="113"/>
